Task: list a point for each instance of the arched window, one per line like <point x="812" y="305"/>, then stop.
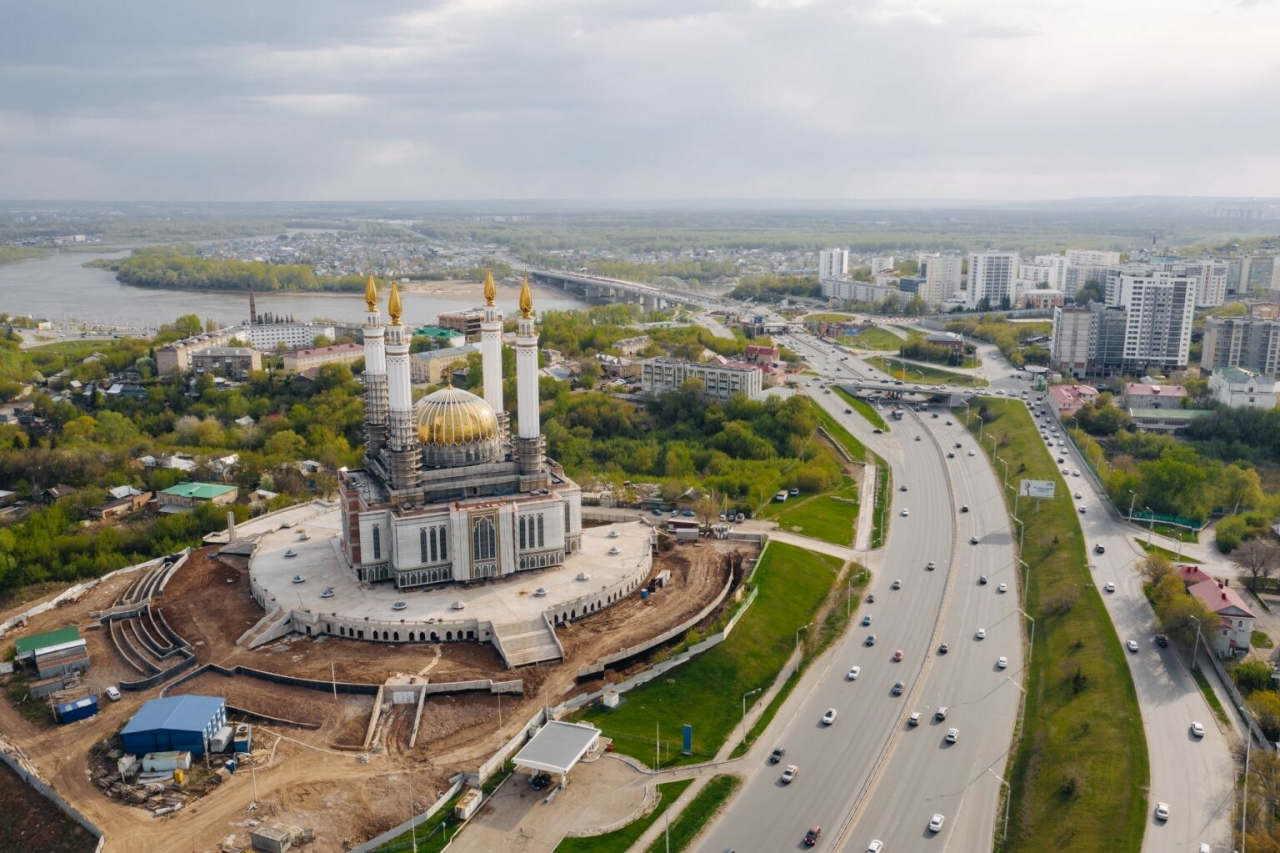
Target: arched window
<point x="377" y="542"/>
<point x="522" y="540"/>
<point x="434" y="551"/>
<point x="482" y="540"/>
<point x="444" y="544"/>
<point x="422" y="542"/>
<point x="541" y="532"/>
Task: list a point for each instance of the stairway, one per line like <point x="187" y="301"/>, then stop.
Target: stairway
<point x="524" y="643"/>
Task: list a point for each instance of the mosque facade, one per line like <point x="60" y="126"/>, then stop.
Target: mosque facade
<point x="449" y="494"/>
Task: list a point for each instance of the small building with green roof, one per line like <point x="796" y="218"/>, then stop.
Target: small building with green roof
<point x="191" y="495"/>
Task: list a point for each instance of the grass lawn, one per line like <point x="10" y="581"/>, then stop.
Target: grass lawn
<point x="1211" y="697"/>
<point x="1080" y="770"/>
<point x="831" y="517"/>
<point x="863" y="408"/>
<point x="1155" y="548"/>
<point x="1261" y="640"/>
<point x="880" y="512"/>
<point x="697" y="814"/>
<point x="851" y="445"/>
<point x="621" y="840"/>
<point x="828" y="318"/>
<point x="707" y="691"/>
<point x="875" y="338"/>
<point x="923" y="374"/>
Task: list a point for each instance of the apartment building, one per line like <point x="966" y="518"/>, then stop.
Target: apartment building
<point x="1251" y="343"/>
<point x="833" y="263"/>
<point x="272" y="336"/>
<point x="992" y="277"/>
<point x="942" y="278"/>
<point x="1070" y="340"/>
<point x="1159" y="305"/>
<point x="175" y="357"/>
<point x="303" y="360"/>
<point x="232" y="362"/>
<point x="1085" y="265"/>
<point x="662" y="374"/>
<point x="1047" y="270"/>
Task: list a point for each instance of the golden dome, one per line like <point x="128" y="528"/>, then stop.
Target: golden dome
<point x="451" y="417"/>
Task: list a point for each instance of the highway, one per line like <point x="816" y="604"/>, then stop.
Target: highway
<point x="1195" y="776"/>
<point x="870" y="774"/>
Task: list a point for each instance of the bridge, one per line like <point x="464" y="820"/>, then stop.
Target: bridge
<point x="908" y="394"/>
<point x="604" y="289"/>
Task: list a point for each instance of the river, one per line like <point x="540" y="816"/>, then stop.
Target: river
<point x="62" y="289"/>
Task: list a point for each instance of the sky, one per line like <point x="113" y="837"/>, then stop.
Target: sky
<point x="326" y="100"/>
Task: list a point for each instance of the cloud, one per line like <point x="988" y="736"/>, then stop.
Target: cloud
<point x="328" y="99"/>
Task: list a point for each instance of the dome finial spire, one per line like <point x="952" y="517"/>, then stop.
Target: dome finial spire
<point x="393" y="305"/>
<point x="371" y="295"/>
<point x="526" y="299"/>
<point x="490" y="289"/>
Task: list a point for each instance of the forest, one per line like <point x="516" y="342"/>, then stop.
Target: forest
<point x="176" y="267"/>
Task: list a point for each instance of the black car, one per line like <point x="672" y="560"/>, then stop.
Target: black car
<point x="898" y="687"/>
<point x="540" y="781"/>
<point x="1162" y="640"/>
<point x="848" y="411"/>
<point x="943" y="649"/>
<point x="1099" y="549"/>
<point x="964" y="508"/>
<point x="958" y="445"/>
<point x="878" y="431"/>
<point x="776" y="755"/>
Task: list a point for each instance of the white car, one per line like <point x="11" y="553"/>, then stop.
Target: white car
<point x="982" y="634"/>
<point x="935" y="823"/>
<point x="953" y="735"/>
<point x="1162" y="811"/>
<point x="1196" y="729"/>
<point x="1109" y="586"/>
<point x="854" y="672"/>
<point x="1082" y="510"/>
<point x="829" y="717"/>
<point x="875" y="846"/>
<point x="1075" y="473"/>
<point x="1132" y="645"/>
<point x="1004" y="587"/>
<point x="789" y="774"/>
<point x="941" y="713"/>
<point x="906" y="511"/>
<point x="1002" y="662"/>
<point x="914" y="719"/>
<point x="1079" y="496"/>
<point x="971" y="453"/>
<point x="113" y="693"/>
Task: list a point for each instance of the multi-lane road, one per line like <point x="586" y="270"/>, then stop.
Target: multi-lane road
<point x="872" y="775"/>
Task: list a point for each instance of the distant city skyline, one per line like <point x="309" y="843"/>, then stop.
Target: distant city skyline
<point x="669" y="99"/>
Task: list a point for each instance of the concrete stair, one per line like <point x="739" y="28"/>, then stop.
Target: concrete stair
<point x="524" y="643"/>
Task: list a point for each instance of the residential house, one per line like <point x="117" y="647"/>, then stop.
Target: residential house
<point x="231" y="362"/>
<point x="1066" y="400"/>
<point x="1138" y="395"/>
<point x="428" y="368"/>
<point x="303" y="360"/>
<point x="1233" y="634"/>
<point x="53" y="494"/>
<point x="1239" y="388"/>
<point x="121" y="505"/>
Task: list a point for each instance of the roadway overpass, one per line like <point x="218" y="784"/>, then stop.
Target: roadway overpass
<point x="604" y="289"/>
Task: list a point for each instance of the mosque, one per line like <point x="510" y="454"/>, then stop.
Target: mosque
<point x="448" y="493"/>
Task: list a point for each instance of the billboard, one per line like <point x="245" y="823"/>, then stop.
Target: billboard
<point x="1036" y="489"/>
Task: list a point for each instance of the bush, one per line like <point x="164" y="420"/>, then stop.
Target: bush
<point x="1251" y="676"/>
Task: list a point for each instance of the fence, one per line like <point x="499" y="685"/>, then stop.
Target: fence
<point x="395" y="832"/>
<point x="67" y="809"/>
<point x="1238" y="701"/>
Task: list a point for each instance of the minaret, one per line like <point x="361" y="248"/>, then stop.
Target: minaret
<point x="529" y="443"/>
<point x="375" y="377"/>
<point x="491" y="348"/>
<point x="403" y="456"/>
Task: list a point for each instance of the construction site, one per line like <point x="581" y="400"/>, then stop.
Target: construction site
<point x="350" y="737"/>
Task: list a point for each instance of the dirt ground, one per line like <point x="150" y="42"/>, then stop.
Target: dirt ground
<point x="29" y="823"/>
<point x="314" y="777"/>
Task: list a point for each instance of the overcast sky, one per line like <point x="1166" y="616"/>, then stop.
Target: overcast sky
<point x="658" y="99"/>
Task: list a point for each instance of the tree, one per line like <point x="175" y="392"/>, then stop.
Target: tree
<point x="1154" y="568"/>
<point x="1239" y="487"/>
<point x="708" y="508"/>
<point x="1252" y="676"/>
<point x="1257" y="558"/>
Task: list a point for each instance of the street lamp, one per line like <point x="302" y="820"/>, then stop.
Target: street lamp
<point x="1032" y="648"/>
<point x="798" y="630"/>
<point x="744" y="711"/>
<point x="1195" y="650"/>
<point x="1151" y="517"/>
<point x="1005" y="464"/>
<point x="1133" y="496"/>
<point x="1007" y="797"/>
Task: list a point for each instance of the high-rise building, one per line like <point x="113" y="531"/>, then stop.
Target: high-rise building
<point x="942" y="278"/>
<point x="833" y="263"/>
<point x="1048" y="270"/>
<point x="1070" y="342"/>
<point x="1252" y="343"/>
<point x="1085" y="265"/>
<point x="1160" y="305"/>
<point x="991" y="279"/>
<point x="880" y="266"/>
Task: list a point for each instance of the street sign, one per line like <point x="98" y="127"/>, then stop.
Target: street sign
<point x="1036" y="489"/>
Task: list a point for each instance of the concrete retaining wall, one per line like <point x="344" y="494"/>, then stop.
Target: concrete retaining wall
<point x="600" y="665"/>
<point x="395" y="832"/>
